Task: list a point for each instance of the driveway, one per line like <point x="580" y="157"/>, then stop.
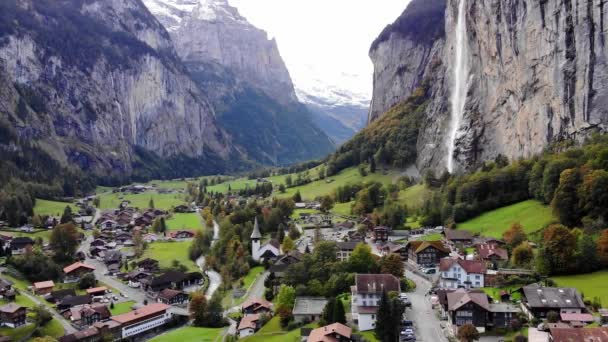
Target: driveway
<point x="427" y="325"/>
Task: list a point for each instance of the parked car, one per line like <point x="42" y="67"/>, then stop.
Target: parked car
<point x="430" y="271"/>
<point x="407" y="324"/>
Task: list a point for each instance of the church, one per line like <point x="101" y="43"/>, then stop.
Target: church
<point x="259" y="252"/>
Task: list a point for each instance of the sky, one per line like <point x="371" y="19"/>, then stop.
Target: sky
<point x="325" y="41"/>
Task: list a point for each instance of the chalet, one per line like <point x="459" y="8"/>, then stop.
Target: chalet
<point x="256" y="306"/>
<point x="458" y="237"/>
<point x="181" y="235"/>
<point x="491" y="253"/>
<point x="98" y="243"/>
<point x="57" y="296"/>
<point x="172" y="297"/>
<point x="173" y="280"/>
<point x="426" y="253"/>
<point x="112" y="257"/>
<point x="122" y="237"/>
<point x="537" y="301"/>
<point x="249" y="325"/>
<point x="97" y="252"/>
<point x="20" y="245"/>
<point x="148" y="265"/>
<point x="381" y="234"/>
<point x="143" y="319"/>
<point x="97" y="291"/>
<point x="290" y="258"/>
<point x="182" y="208"/>
<point x="308" y="309"/>
<point x="336" y="332"/>
<point x="12" y="315"/>
<point x="143" y="221"/>
<point x="108" y="225"/>
<point x="459" y="273"/>
<point x="394" y="248"/>
<point x="86" y="315"/>
<point x="345" y="249"/>
<point x="75" y="271"/>
<point x="71" y="301"/>
<point x="366" y="294"/>
<point x="5" y="286"/>
<point x="43" y="287"/>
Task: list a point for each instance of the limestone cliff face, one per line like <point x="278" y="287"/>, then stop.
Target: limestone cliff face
<point x="538" y="75"/>
<point x="93" y="82"/>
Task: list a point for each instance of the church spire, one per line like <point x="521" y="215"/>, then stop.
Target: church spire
<point x="256" y="231"/>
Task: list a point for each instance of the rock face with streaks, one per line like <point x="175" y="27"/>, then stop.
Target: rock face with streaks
<point x="97" y="84"/>
<point x="538" y="75"/>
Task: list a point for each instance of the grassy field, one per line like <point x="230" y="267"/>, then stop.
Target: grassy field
<point x="591" y="284"/>
<point x="342" y="208"/>
<point x="271" y="332"/>
<point x="532" y="215"/>
<point x="431" y="237"/>
<point x="51" y="208"/>
<point x="494" y="292"/>
<point x="190" y="221"/>
<point x="191" y="334"/>
<point x="297" y="212"/>
<point x="253" y="274"/>
<point x="44" y="234"/>
<point x="161" y="201"/>
<point x="369" y="336"/>
<point x="121" y="308"/>
<point x="166" y="252"/>
<point x="414" y="196"/>
<point x="53" y="329"/>
<point x="237" y="184"/>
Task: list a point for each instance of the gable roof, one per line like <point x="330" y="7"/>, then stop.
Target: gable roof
<point x="96" y="289"/>
<point x="419" y="246"/>
<point x="470" y="266"/>
<point x="256" y="303"/>
<point x="458" y="234"/>
<point x="77" y="265"/>
<point x="376" y="283"/>
<point x="461" y="297"/>
<point x="249" y="322"/>
<point x="552" y="297"/>
<point x="348" y="245"/>
<point x="169" y="294"/>
<point x="75" y="300"/>
<point x="11" y="308"/>
<point x="576" y="335"/>
<point x="44" y="284"/>
<point x="146" y="311"/>
<point x="486" y="250"/>
<point x="325" y="334"/>
<point x="309" y="305"/>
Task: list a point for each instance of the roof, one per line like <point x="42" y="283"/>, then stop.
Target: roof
<point x="485" y="251"/>
<point x="470" y="266"/>
<point x="75" y="300"/>
<point x="11" y="308"/>
<point x="249" y="322"/>
<point x="348" y="245"/>
<point x="577" y="317"/>
<point x="309" y="305"/>
<point x="552" y="297"/>
<point x="169" y="294"/>
<point x="175" y="277"/>
<point x="576" y="335"/>
<point x="87" y="310"/>
<point x="77" y="265"/>
<point x="419" y="246"/>
<point x="80" y="335"/>
<point x="503" y="307"/>
<point x="275" y="243"/>
<point x="60" y="294"/>
<point x="44" y="284"/>
<point x="256" y="230"/>
<point x="146" y="311"/>
<point x="376" y="283"/>
<point x="256" y="303"/>
<point x="392" y="247"/>
<point x="97" y="289"/>
<point x="22" y="240"/>
<point x="327" y="333"/>
<point x="458" y="234"/>
<point x="461" y="297"/>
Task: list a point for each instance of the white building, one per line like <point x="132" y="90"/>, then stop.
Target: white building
<point x="272" y="249"/>
<point x="366" y="295"/>
<point x="458" y="273"/>
<point x="248" y="325"/>
<point x="143" y="319"/>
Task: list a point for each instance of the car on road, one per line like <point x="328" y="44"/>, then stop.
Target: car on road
<point x="407" y="337"/>
<point x="407" y="324"/>
<point x="429" y="270"/>
<point x="407" y="331"/>
<point x="124" y="295"/>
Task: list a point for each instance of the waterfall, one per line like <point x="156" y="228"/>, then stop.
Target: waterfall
<point x="460" y="83"/>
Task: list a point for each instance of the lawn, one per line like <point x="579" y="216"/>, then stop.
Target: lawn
<point x="161" y="201"/>
<point x="271" y="332"/>
<point x="414" y="196"/>
<point x="53" y="329"/>
<point x="191" y="334"/>
<point x="237" y="184"/>
<point x="532" y="215"/>
<point x="44" y="234"/>
<point x="591" y="284"/>
<point x="190" y="221"/>
<point x="121" y="308"/>
<point x="342" y="209"/>
<point x="297" y="212"/>
<point x="494" y="292"/>
<point x="370" y="336"/>
<point x="431" y="237"/>
<point x="19" y="333"/>
<point x="51" y="208"/>
<point x="166" y="252"/>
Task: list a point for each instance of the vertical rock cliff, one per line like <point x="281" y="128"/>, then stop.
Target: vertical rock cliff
<point x="97" y="84"/>
<point x="538" y="75"/>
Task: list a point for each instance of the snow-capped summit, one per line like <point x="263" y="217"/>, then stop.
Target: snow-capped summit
<point x="171" y="13"/>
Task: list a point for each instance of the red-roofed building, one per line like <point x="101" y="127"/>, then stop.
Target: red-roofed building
<point x="256" y="306"/>
<point x="579" y="335"/>
<point x="491" y="253"/>
<point x="249" y="325"/>
<point x="458" y="273"/>
<point x="143" y="319"/>
<point x="331" y="333"/>
<point x="44" y="287"/>
<point x="97" y="291"/>
<point x="577" y="317"/>
<point x="75" y="271"/>
<point x="426" y="253"/>
<point x="12" y="315"/>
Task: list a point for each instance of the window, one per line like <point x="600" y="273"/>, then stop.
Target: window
<point x="477" y="277"/>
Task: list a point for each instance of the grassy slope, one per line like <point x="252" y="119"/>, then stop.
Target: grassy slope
<point x="271" y="332"/>
<point x="166" y="252"/>
<point x="532" y="215"/>
<point x="190" y="221"/>
<point x="161" y="201"/>
<point x="191" y="334"/>
<point x="122" y="308"/>
<point x="414" y="196"/>
<point x="51" y="208"/>
<point x="591" y="285"/>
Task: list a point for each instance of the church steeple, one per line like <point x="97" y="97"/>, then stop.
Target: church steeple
<point x="256" y="235"/>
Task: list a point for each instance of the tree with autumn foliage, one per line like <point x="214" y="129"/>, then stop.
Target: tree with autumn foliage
<point x="559" y="246"/>
<point x="468" y="333"/>
<point x="515" y="235"/>
<point x="602" y="248"/>
<point x="392" y="264"/>
<point x="522" y="255"/>
<point x="565" y="203"/>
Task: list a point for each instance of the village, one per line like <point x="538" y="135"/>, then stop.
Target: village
<point x="445" y="280"/>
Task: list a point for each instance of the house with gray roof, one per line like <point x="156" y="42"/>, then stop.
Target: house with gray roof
<point x="538" y="300"/>
<point x="308" y="309"/>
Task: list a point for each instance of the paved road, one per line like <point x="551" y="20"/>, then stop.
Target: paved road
<point x="69" y="329"/>
<point x="427" y="326"/>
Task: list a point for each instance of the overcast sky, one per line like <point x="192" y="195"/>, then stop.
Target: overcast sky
<point x="327" y="39"/>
